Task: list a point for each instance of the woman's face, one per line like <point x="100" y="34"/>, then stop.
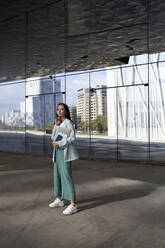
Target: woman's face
<point x="61" y="111"/>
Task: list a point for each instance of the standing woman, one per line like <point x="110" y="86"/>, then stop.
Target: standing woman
<point x="63" y="153"/>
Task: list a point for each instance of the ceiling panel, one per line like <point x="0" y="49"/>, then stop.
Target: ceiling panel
<point x="44" y="37"/>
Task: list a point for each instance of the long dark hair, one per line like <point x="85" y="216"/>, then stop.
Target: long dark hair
<point x="67" y="115"/>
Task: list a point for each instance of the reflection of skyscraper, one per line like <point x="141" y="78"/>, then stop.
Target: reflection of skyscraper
<point x="41" y="104"/>
<point x="73" y="113"/>
<point x="15" y="118"/>
<point x="97" y="101"/>
<point x="41" y="109"/>
<point x="101" y="98"/>
<point x="82" y="105"/>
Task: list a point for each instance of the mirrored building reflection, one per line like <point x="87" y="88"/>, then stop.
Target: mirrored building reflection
<point x="118" y="112"/>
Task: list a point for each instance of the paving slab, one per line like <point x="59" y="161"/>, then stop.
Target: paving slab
<point x="121" y="205"/>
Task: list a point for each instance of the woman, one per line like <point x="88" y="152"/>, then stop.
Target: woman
<point x="63" y="153"/>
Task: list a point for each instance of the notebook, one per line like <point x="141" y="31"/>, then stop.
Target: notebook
<point x="59" y="137"/>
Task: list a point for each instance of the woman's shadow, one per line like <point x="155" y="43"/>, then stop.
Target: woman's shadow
<point x="109" y="198"/>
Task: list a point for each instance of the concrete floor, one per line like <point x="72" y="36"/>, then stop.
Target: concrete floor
<point x="122" y="205"/>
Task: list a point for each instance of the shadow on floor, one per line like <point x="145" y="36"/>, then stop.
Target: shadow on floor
<point x="94" y="202"/>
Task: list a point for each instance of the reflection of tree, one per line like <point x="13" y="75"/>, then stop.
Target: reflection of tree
<point x="83" y="126"/>
<point x="49" y="126"/>
<point x="34" y="128"/>
<point x="99" y="124"/>
<point x="4" y="126"/>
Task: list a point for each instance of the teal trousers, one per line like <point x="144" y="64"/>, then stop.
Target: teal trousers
<point x="63" y="181"/>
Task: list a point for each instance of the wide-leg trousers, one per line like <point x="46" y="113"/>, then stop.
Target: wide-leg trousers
<point x="63" y="181"/>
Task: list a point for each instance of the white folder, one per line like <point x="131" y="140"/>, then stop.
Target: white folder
<point x="62" y="131"/>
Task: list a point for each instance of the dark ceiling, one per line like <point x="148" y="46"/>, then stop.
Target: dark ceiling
<point x="44" y="37"/>
<point x="13" y="8"/>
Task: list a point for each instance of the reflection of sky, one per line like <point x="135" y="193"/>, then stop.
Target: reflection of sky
<point x="11" y="96"/>
<point x="73" y="83"/>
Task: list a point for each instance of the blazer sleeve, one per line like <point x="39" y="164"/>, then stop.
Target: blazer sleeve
<point x="71" y="139"/>
<point x="54" y="131"/>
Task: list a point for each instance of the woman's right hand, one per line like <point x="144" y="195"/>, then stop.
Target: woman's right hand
<point x="58" y="121"/>
<point x="56" y="144"/>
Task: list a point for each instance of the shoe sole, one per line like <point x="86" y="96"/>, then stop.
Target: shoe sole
<point x="71" y="213"/>
<point x="56" y="206"/>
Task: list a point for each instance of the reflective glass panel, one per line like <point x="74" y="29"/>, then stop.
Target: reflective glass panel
<point x="124" y="76"/>
<point x="98" y="79"/>
<point x="35" y="111"/>
<point x="45" y="46"/>
<point x="133" y="123"/>
<point x="12" y="47"/>
<point x="45" y="85"/>
<point x="103" y="125"/>
<point x="51" y="103"/>
<point x="77" y="98"/>
<point x="123" y="46"/>
<point x="156" y="31"/>
<point x="12" y="117"/>
<point x="157" y="112"/>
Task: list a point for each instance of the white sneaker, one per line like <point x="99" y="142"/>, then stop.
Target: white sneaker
<point x="70" y="210"/>
<point x="57" y="203"/>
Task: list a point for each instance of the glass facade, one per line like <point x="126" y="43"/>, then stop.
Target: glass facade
<point x="118" y="111"/>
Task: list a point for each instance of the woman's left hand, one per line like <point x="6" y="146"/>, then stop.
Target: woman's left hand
<point x="56" y="144"/>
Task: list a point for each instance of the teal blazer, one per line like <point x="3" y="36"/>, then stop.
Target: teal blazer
<point x="68" y="144"/>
